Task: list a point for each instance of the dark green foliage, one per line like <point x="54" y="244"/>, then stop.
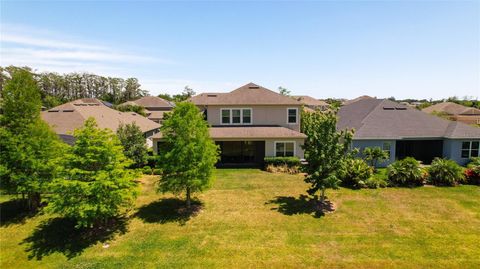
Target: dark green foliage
<point x="147" y="170"/>
<point x="157" y="171"/>
<point x="132" y="108"/>
<point x="189" y="155"/>
<point x="152" y="160"/>
<point x="93" y="185"/>
<point x="133" y="142"/>
<point x="444" y="172"/>
<point x="375" y="155"/>
<point x="284" y="91"/>
<point x="355" y="173"/>
<point x="472" y="173"/>
<point x="186" y="93"/>
<point x="29" y="149"/>
<point x="289" y="161"/>
<point x="376" y="182"/>
<point x="406" y="172"/>
<point x="60" y="88"/>
<point x="324" y="148"/>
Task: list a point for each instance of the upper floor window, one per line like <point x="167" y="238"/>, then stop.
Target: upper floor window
<point x="284" y="149"/>
<point x="470" y="149"/>
<point x="236" y="115"/>
<point x="292" y="115"/>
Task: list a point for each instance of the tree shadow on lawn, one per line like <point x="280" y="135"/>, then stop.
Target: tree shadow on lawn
<point x="289" y="206"/>
<point x="60" y="235"/>
<point x="168" y="210"/>
<point x="14" y="212"/>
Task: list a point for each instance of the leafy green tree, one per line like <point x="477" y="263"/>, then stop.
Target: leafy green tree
<point x="284" y="91"/>
<point x="93" y="185"/>
<point x="132" y="108"/>
<point x="375" y="155"/>
<point x="325" y="148"/>
<point x="189" y="154"/>
<point x="29" y="149"/>
<point x="133" y="141"/>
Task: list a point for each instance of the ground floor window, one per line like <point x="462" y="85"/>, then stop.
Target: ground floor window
<point x="470" y="149"/>
<point x="284" y="149"/>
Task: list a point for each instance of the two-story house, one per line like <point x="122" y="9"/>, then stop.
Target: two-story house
<point x="250" y="123"/>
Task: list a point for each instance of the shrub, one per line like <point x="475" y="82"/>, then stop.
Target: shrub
<point x="282" y="169"/>
<point x="147" y="170"/>
<point x="355" y="173"/>
<point x="406" y="172"/>
<point x="157" y="171"/>
<point x="444" y="172"/>
<point x="375" y="182"/>
<point x="277" y="161"/>
<point x="472" y="173"/>
<point x="152" y="161"/>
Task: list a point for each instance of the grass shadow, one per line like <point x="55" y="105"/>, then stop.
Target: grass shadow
<point x="14" y="212"/>
<point x="59" y="235"/>
<point x="289" y="206"/>
<point x="168" y="210"/>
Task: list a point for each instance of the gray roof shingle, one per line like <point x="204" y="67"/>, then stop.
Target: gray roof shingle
<point x="384" y="119"/>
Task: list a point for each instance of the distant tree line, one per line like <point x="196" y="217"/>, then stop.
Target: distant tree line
<point x="56" y="88"/>
<point x="464" y="101"/>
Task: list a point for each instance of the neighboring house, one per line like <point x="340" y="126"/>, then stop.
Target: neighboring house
<point x="154" y="106"/>
<point x="65" y="118"/>
<point x="453" y="111"/>
<point x="405" y="131"/>
<point x="360" y="98"/>
<point x="312" y="103"/>
<point x="251" y="123"/>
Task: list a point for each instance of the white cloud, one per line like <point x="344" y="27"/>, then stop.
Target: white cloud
<point x="45" y="50"/>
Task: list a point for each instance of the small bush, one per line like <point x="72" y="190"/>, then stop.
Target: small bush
<point x="406" y="172"/>
<point x="282" y="169"/>
<point x="376" y="182"/>
<point x="152" y="161"/>
<point x="157" y="171"/>
<point x="355" y="173"/>
<point x="472" y="173"/>
<point x="444" y="172"/>
<point x="277" y="161"/>
<point x="147" y="170"/>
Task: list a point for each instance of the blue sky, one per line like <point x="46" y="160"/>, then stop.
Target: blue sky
<point x="419" y="49"/>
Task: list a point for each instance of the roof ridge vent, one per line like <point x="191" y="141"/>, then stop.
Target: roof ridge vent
<point x="254" y="87"/>
<point x="400" y="108"/>
<point x="388" y="108"/>
<point x="212" y="95"/>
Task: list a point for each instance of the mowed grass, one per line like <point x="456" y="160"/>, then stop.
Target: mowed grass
<point x="251" y="218"/>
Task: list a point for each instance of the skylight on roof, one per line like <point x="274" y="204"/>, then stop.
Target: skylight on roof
<point x="400" y="108"/>
<point x="388" y="108"/>
<point x="253" y="87"/>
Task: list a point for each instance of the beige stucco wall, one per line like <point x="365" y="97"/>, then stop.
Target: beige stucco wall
<point x="270" y="147"/>
<point x="262" y="115"/>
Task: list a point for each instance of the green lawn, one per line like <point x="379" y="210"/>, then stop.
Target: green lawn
<point x="252" y="218"/>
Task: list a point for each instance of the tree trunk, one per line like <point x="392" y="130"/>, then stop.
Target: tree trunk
<point x="322" y="198"/>
<point x="188" y="198"/>
<point x="33" y="201"/>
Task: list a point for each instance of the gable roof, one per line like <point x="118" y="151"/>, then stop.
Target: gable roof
<point x="249" y="94"/>
<point x="452" y="109"/>
<point x="310" y="101"/>
<point x="384" y="119"/>
<point x="360" y="98"/>
<point x="70" y="116"/>
<point x="150" y="101"/>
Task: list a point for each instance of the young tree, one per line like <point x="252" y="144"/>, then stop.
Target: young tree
<point x="325" y="148"/>
<point x="374" y="155"/>
<point x="28" y="147"/>
<point x="284" y="91"/>
<point x="189" y="154"/>
<point x="93" y="185"/>
<point x="133" y="141"/>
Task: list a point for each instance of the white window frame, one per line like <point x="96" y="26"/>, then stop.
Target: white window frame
<point x="294" y="148"/>
<point x="241" y="116"/>
<point x="296" y="117"/>
<point x="469" y="148"/>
